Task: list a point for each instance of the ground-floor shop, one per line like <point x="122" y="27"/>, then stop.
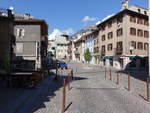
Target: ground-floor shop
<point x="125" y="62"/>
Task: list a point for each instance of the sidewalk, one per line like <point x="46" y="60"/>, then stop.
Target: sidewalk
<point x="21" y="100"/>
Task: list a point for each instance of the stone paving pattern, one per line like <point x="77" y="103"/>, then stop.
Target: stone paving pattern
<point x="91" y="92"/>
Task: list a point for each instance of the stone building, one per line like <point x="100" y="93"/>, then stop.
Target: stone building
<point x="31" y="43"/>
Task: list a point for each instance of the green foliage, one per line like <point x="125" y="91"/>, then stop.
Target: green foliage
<point x="87" y="55"/>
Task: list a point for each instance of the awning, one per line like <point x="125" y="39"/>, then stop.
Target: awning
<point x="108" y="57"/>
<point x="136" y="57"/>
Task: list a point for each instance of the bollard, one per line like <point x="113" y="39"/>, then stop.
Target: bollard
<point x="110" y="75"/>
<point x="147" y="84"/>
<point x="129" y="82"/>
<point x="117" y="78"/>
<point x="71" y="74"/>
<point x="64" y="97"/>
<point x="105" y="73"/>
<point x="68" y="81"/>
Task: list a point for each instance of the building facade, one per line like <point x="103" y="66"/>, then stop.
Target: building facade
<point x="124" y="36"/>
<point x="31" y="43"/>
<point x="7" y="41"/>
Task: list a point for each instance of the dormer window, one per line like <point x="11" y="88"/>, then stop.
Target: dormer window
<point x="145" y="12"/>
<point x="139" y="10"/>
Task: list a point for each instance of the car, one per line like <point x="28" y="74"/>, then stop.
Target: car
<point x="63" y="65"/>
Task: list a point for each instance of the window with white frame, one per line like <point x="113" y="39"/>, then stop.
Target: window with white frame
<point x="20" y="32"/>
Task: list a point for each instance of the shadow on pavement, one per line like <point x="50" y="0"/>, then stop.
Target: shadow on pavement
<point x="50" y="93"/>
<point x="31" y="100"/>
<point x="137" y="74"/>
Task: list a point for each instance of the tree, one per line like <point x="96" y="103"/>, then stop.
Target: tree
<point x="87" y="55"/>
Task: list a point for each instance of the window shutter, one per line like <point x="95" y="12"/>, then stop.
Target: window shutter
<point x="23" y="32"/>
<point x="18" y="32"/>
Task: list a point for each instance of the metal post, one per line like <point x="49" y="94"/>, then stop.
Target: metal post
<point x="64" y="97"/>
<point x="129" y="82"/>
<point x="105" y="73"/>
<point x="110" y="75"/>
<point x="68" y="81"/>
<point x="71" y="74"/>
<point x="147" y="84"/>
<point x="117" y="78"/>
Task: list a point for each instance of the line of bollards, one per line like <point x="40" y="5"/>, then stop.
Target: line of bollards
<point x="129" y="82"/>
<point x="66" y="83"/>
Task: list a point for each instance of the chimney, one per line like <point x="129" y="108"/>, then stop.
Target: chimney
<point x="10" y="15"/>
<point x="125" y="4"/>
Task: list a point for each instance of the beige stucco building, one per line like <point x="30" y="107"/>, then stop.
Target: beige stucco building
<point x="124" y="36"/>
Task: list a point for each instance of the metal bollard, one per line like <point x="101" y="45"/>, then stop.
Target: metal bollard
<point x="110" y="75"/>
<point x="105" y="72"/>
<point x="64" y="97"/>
<point x="117" y="78"/>
<point x="129" y="84"/>
<point x="71" y="74"/>
<point x="147" y="84"/>
<point x="68" y="81"/>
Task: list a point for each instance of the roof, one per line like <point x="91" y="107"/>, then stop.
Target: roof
<point x="121" y="13"/>
<point x="31" y="21"/>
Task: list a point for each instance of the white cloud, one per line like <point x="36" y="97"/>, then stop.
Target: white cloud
<point x="57" y="32"/>
<point x="87" y="18"/>
<point x="54" y="34"/>
<point x="69" y="31"/>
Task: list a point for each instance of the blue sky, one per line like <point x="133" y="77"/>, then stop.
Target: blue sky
<point x="68" y="14"/>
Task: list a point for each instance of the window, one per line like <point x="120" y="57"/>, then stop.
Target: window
<point x="145" y="12"/>
<point x="109" y="47"/>
<point x="139" y="10"/>
<point x="133" y="44"/>
<point x="110" y="35"/>
<point x="145" y="46"/>
<point x="94" y="42"/>
<point x="146" y="34"/>
<point x="119" y="44"/>
<point x="119" y="32"/>
<point x="103" y="48"/>
<point x="119" y="20"/>
<point x="140" y="32"/>
<point x="132" y="19"/>
<point x="109" y="24"/>
<point x="146" y="22"/>
<point x="19" y="47"/>
<point x="96" y="50"/>
<point x="20" y="32"/>
<point x="103" y="28"/>
<point x="103" y="38"/>
<point x="140" y="21"/>
<point x="132" y="31"/>
<point x="140" y="45"/>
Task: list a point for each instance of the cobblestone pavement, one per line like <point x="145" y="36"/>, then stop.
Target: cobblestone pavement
<point x="90" y="93"/>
